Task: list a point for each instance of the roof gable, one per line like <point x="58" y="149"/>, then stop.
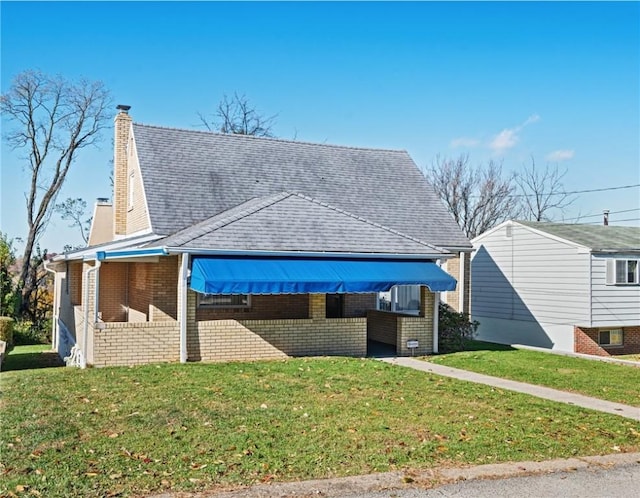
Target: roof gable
<point x="293" y="222"/>
<point x="190" y="176"/>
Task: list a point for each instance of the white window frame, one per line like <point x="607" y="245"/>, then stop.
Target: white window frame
<point x="612" y="271"/>
<point x="393" y="301"/>
<point x="612" y="332"/>
<point x="203" y="298"/>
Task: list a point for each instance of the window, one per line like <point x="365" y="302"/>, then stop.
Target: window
<point x="610" y="337"/>
<point x="622" y="271"/>
<point x="224" y="300"/>
<point x="131" y="177"/>
<point x="401" y="298"/>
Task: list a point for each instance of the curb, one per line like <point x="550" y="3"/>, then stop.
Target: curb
<point x="426" y="479"/>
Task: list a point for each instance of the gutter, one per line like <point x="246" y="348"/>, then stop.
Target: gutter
<point x="303" y="254"/>
<point x="105" y="255"/>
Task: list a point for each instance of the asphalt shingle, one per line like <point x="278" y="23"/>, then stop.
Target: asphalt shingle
<point x="596" y="237"/>
<point x="293" y="222"/>
<point x="190" y="176"/>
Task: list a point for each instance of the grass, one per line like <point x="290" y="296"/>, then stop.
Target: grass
<point x="611" y="382"/>
<point x="28" y="357"/>
<point x="135" y="431"/>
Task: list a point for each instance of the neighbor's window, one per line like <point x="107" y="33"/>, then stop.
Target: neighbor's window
<point x="623" y="271"/>
<point x="224" y="300"/>
<point x="610" y="337"/>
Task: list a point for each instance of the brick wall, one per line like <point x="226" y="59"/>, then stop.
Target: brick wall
<point x="586" y="341"/>
<point x="397" y="328"/>
<point x="382" y="326"/>
<point x="357" y="305"/>
<point x="270" y="307"/>
<point x="113" y="288"/>
<point x="122" y="127"/>
<point x="452" y="298"/>
<point x="227" y="340"/>
<point x="135" y="343"/>
<point x="137" y="215"/>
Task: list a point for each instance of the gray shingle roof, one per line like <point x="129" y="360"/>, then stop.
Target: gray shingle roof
<point x="293" y="222"/>
<point x="190" y="176"/>
<point x="595" y="237"/>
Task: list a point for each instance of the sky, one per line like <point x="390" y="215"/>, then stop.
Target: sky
<point x="504" y="81"/>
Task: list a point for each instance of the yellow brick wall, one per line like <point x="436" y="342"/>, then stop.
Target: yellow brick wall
<point x="452" y="298"/>
<point x="135" y="343"/>
<point x="122" y="128"/>
<point x="137" y="215"/>
<point x="113" y="290"/>
<point x="382" y="326"/>
<point x="227" y="340"/>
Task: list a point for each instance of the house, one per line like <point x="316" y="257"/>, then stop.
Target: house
<point x="569" y="287"/>
<point x="232" y="247"/>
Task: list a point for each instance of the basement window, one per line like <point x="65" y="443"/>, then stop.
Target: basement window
<point x="610" y="337"/>
<point x="224" y="300"/>
<point x="623" y="271"/>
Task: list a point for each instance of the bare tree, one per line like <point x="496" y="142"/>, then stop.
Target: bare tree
<point x="542" y="192"/>
<point x="479" y="197"/>
<point x="53" y="119"/>
<point x="74" y="210"/>
<point x="237" y="116"/>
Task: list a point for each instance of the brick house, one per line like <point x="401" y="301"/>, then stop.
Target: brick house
<point x="230" y="247"/>
<point x="568" y="287"/>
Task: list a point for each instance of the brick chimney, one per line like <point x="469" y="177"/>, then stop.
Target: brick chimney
<point x="122" y="128"/>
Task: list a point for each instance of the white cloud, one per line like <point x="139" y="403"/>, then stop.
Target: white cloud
<point x="560" y="155"/>
<point x="509" y="137"/>
<point x="464" y="142"/>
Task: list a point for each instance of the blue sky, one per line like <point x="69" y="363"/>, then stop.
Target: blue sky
<point x="503" y="81"/>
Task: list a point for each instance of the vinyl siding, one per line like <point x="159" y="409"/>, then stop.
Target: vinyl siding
<point x="529" y="277"/>
<point x="612" y="305"/>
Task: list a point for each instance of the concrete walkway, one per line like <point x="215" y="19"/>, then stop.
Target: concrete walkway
<point x="627" y="411"/>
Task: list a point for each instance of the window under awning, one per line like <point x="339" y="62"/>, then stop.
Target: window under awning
<point x="276" y="275"/>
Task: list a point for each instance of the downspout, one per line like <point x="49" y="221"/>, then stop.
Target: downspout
<point x="436" y="313"/>
<point x="184" y="275"/>
<point x="461" y="284"/>
<point x="85" y="300"/>
<point x="54" y="318"/>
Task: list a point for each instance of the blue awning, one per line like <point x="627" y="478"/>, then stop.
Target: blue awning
<point x="229" y="275"/>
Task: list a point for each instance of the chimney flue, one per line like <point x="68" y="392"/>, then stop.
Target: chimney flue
<point x="123" y="108"/>
<point x="606" y="217"/>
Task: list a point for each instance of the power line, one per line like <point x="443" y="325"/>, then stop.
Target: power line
<point x="611" y="221"/>
<point x="606" y="189"/>
<point x="599" y="215"/>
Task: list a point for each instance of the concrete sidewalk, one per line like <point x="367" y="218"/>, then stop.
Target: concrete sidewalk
<point x="627" y="411"/>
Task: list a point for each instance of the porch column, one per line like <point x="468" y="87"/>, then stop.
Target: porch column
<point x="317" y="306"/>
<point x="182" y="305"/>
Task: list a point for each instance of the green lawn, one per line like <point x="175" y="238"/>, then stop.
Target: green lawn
<point x="602" y="380"/>
<point x="131" y="431"/>
<point x="36" y="356"/>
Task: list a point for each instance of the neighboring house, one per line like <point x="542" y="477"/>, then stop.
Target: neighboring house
<point x="569" y="287"/>
<point x="231" y="247"/>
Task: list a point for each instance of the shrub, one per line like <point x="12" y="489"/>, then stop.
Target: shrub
<point x="454" y="329"/>
<point x="6" y="331"/>
<point x="26" y="332"/>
